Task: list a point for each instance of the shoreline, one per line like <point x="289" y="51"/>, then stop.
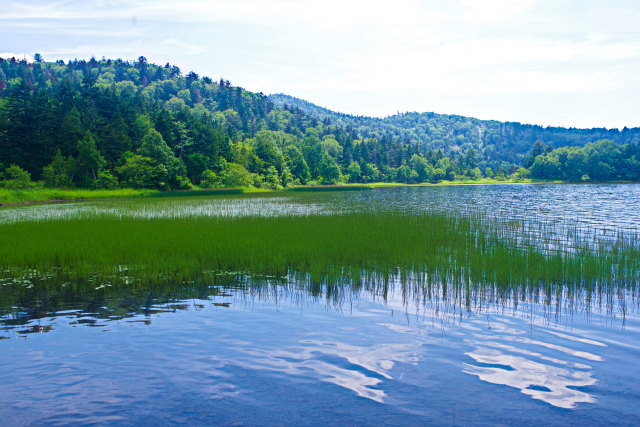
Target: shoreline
<point x="66" y="196"/>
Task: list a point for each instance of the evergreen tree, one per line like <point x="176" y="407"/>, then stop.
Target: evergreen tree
<point x="154" y="147"/>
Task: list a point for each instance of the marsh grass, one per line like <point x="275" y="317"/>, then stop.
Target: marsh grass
<point x="428" y="249"/>
<point x="46" y="194"/>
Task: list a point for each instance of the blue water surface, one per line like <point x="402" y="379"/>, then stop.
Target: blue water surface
<point x="230" y="355"/>
<point x="289" y="359"/>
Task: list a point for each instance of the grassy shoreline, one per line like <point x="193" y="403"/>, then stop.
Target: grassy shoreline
<point x="10" y="197"/>
<point x="41" y="195"/>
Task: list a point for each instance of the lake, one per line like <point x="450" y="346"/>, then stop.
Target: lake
<point x="248" y="350"/>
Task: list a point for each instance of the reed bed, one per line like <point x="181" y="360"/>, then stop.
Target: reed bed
<point x="459" y="249"/>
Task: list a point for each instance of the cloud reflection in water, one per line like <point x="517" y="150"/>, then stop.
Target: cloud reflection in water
<point x="550" y="379"/>
<point x="357" y="368"/>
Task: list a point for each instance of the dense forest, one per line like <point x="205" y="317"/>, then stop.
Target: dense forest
<point x="603" y="160"/>
<point x="494" y="141"/>
<point x="115" y="123"/>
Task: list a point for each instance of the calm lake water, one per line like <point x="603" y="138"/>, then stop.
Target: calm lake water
<point x="234" y="354"/>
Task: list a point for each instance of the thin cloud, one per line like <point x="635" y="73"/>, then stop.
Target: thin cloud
<point x="18" y="56"/>
<point x="489" y="11"/>
<point x="428" y="56"/>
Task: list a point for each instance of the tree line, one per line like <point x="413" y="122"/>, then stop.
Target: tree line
<point x="599" y="161"/>
<point x="494" y="141"/>
<point x="115" y="123"/>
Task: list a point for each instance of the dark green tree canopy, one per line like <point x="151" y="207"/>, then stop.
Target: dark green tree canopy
<point x="82" y="123"/>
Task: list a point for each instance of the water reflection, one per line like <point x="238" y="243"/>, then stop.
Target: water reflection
<point x="551" y="372"/>
<point x="233" y="341"/>
<point x="26" y="301"/>
<point x="395" y="347"/>
<point x="360" y="369"/>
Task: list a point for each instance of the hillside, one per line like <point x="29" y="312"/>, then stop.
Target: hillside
<point x="113" y="123"/>
<point x="494" y="141"/>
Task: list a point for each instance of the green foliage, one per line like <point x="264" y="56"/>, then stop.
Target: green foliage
<point x="369" y="172"/>
<point x="183" y="183"/>
<point x="600" y="161"/>
<point x="545" y="167"/>
<point x="422" y="167"/>
<point x="313" y="154"/>
<point x="404" y="174"/>
<point x="59" y="173"/>
<point x="439" y="174"/>
<point x="44" y="194"/>
<point x="16" y="177"/>
<point x="488" y="172"/>
<point x="267" y="150"/>
<point x="287" y="178"/>
<point x="355" y="172"/>
<point x="210" y="179"/>
<point x="143" y="172"/>
<point x="236" y="176"/>
<point x="296" y="163"/>
<point x="331" y="146"/>
<point x="141" y="127"/>
<point x="94" y="112"/>
<point x="539" y="148"/>
<point x="492" y="142"/>
<point x="89" y="159"/>
<point x="520" y="174"/>
<point x="272" y="178"/>
<point x="329" y="170"/>
<point x="106" y="181"/>
<point x="196" y="165"/>
<point x="154" y="147"/>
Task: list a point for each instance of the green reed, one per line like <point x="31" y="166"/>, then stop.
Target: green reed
<point x="462" y="250"/>
<point x="116" y="266"/>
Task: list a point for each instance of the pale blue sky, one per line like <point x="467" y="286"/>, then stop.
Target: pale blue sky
<point x="548" y="62"/>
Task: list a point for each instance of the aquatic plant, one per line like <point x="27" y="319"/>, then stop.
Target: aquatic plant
<point x="461" y="251"/>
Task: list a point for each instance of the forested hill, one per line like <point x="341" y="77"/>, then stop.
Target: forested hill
<point x="493" y="140"/>
<point x="113" y="123"/>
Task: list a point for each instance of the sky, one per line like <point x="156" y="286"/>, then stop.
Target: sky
<point x="573" y="63"/>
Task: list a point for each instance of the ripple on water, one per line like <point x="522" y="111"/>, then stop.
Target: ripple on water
<point x="260" y="355"/>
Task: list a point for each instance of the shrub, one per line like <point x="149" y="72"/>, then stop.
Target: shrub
<point x="210" y="179"/>
<point x="106" y="180"/>
<point x="16" y="177"/>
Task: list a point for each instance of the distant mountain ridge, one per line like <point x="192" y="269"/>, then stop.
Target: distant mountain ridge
<point x="497" y="141"/>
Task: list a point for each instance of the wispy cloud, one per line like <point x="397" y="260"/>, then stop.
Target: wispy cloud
<point x="421" y="54"/>
<point x="488" y="11"/>
<point x="18" y="56"/>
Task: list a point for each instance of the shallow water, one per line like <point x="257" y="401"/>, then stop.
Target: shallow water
<point x="236" y="354"/>
<point x="178" y="207"/>
<point x="597" y="210"/>
<point x="286" y="358"/>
